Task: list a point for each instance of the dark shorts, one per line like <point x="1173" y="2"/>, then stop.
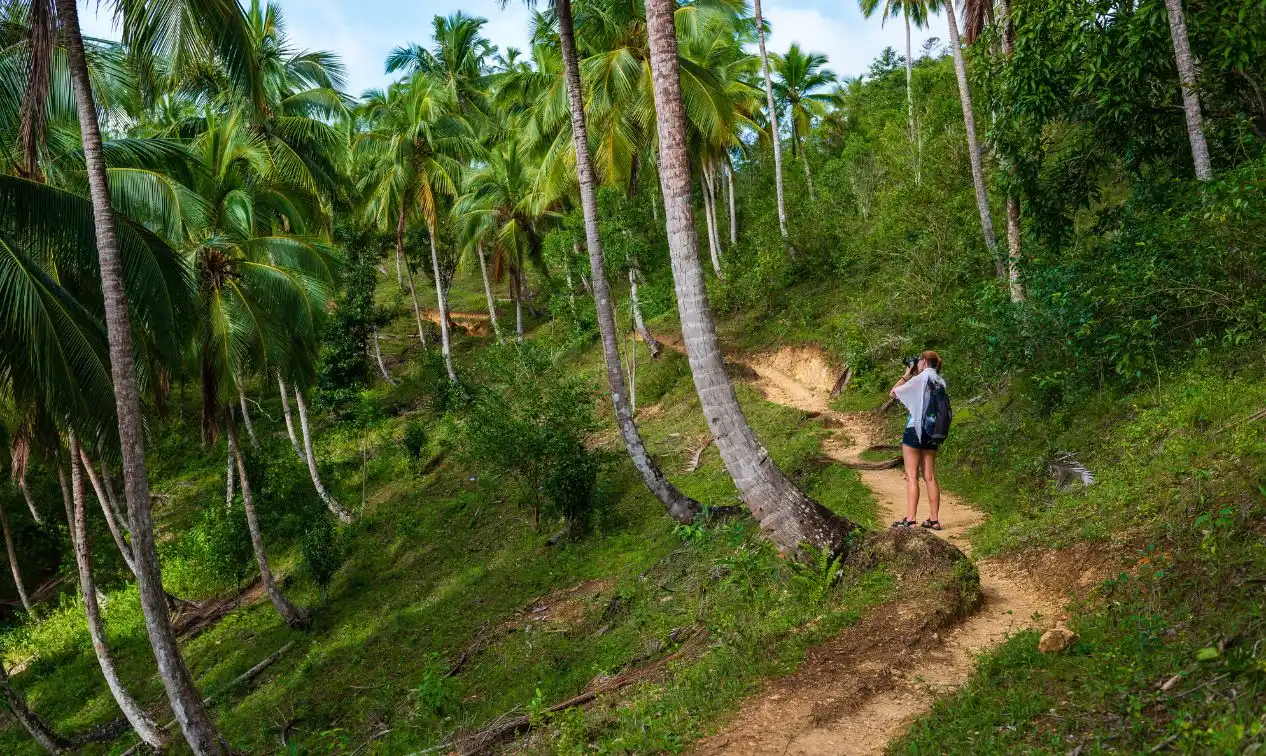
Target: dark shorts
<point x="911" y="440"/>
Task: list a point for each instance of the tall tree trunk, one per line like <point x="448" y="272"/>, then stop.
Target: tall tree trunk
<point x="516" y="293"/>
<point x="108" y="483"/>
<point x="290" y="614"/>
<point x="115" y="531"/>
<point x="229" y="477"/>
<point x="186" y="703"/>
<point x="492" y="307"/>
<point x="413" y="292"/>
<point x="775" y="137"/>
<point x="400" y="265"/>
<point x="441" y="301"/>
<point x="1013" y="201"/>
<point x="729" y="182"/>
<point x="145" y="727"/>
<point x="648" y="338"/>
<point x="290" y="421"/>
<point x="788" y="516"/>
<point x="808" y="175"/>
<point x="382" y="367"/>
<point x="246" y="418"/>
<point x="13" y="564"/>
<point x="679" y="506"/>
<point x="914" y="140"/>
<point x="40" y="732"/>
<point x="30" y="500"/>
<point x="1190" y="94"/>
<point x="973" y="146"/>
<point x="710" y="225"/>
<point x="309" y="453"/>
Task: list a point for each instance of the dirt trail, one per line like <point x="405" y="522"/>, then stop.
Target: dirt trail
<point x="788" y="718"/>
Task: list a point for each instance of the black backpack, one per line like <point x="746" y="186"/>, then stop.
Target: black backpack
<point x="937" y="414"/>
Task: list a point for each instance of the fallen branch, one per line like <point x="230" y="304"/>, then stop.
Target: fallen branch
<point x="1260" y="414"/>
<point x="841" y="384"/>
<point x="697" y="457"/>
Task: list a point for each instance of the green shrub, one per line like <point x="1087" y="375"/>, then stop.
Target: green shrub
<point x="414" y="439"/>
<point x="322" y="551"/>
<point x="220" y="543"/>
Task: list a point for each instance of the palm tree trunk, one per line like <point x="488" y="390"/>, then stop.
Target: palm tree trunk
<point x="290" y="421"/>
<point x="290" y="614"/>
<point x="973" y="146"/>
<point x="773" y="122"/>
<point x="808" y="175"/>
<point x="492" y="308"/>
<point x="186" y="703"/>
<point x="40" y="732"/>
<point x="30" y="501"/>
<point x="111" y="521"/>
<point x="1013" y="201"/>
<point x="1190" y="94"/>
<point x="229" y="477"/>
<point x="914" y="141"/>
<point x="246" y="418"/>
<point x="413" y="292"/>
<point x="108" y="484"/>
<point x="309" y="454"/>
<point x="516" y="293"/>
<point x="400" y="265"/>
<point x="710" y="224"/>
<point x="145" y="727"/>
<point x="648" y="338"/>
<point x="382" y="367"/>
<point x="679" y="506"/>
<point x="729" y="181"/>
<point x="789" y="518"/>
<point x="442" y="302"/>
<point x="13" y="564"/>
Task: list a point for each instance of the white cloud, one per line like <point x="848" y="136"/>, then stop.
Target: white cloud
<point x="849" y="40"/>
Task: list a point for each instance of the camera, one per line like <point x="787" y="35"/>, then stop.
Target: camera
<point x="910" y="362"/>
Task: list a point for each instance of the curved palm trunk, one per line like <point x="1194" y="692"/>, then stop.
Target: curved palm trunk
<point x="729" y="183"/>
<point x="710" y="224"/>
<point x="111" y="521"/>
<point x="40" y="732"/>
<point x="290" y="421"/>
<point x="145" y="727"/>
<point x="309" y="454"/>
<point x="13" y="564"/>
<point x="492" y="307"/>
<point x="788" y="517"/>
<point x="186" y="703"/>
<point x="30" y="501"/>
<point x="108" y="484"/>
<point x="441" y="301"/>
<point x="382" y="367"/>
<point x="413" y="292"/>
<point x="290" y="614"/>
<point x="1190" y="95"/>
<point x="773" y="121"/>
<point x="969" y="121"/>
<point x="246" y="419"/>
<point x="914" y="140"/>
<point x="679" y="506"/>
<point x="648" y="338"/>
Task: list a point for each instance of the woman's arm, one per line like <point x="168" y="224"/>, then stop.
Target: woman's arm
<point x="901" y="382"/>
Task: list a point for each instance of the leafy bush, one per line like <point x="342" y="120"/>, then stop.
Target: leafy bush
<point x="414" y="438"/>
<point x="322" y="551"/>
<point x="220" y="543"/>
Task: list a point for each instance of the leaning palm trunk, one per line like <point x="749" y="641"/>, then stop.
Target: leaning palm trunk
<point x="648" y="338"/>
<point x="145" y="727"/>
<point x="30" y="501"/>
<point x="710" y="224"/>
<point x="1190" y="95"/>
<point x="111" y="521"/>
<point x="108" y="484"/>
<point x="973" y="146"/>
<point x="679" y="506"/>
<point x="13" y="564"/>
<point x="290" y="614"/>
<point x="789" y="518"/>
<point x="382" y="367"/>
<point x="186" y="703"/>
<point x="413" y="292"/>
<point x="39" y="731"/>
<point x="1013" y="202"/>
<point x="441" y="301"/>
<point x="729" y="183"/>
<point x="309" y="454"/>
<point x="773" y="121"/>
<point x="290" y="421"/>
<point x="246" y="419"/>
<point x="492" y="307"/>
<point x="914" y="140"/>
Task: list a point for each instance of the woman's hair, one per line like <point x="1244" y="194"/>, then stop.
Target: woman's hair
<point x="934" y="359"/>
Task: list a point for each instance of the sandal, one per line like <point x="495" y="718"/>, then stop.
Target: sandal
<point x="904" y="522"/>
<point x="931" y="524"/>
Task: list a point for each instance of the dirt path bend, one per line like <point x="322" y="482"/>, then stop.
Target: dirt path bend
<point x="822" y="708"/>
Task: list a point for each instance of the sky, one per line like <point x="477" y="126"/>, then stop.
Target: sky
<point x="363" y="31"/>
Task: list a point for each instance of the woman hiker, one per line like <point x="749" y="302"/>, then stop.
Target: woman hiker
<point x="918" y="448"/>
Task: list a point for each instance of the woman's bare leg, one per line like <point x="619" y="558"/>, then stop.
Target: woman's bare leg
<point x="911" y="458"/>
<point x="934" y="488"/>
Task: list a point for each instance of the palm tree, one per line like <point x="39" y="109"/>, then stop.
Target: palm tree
<point x="790" y="518"/>
<point x="44" y="735"/>
<point x="1190" y="92"/>
<point x="801" y="76"/>
<point x="918" y="12"/>
<point x="774" y="137"/>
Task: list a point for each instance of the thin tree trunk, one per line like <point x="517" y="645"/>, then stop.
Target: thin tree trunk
<point x="63" y="480"/>
<point x="290" y="421"/>
<point x="40" y="732"/>
<point x="400" y="265"/>
<point x="648" y="338"/>
<point x="382" y="367"/>
<point x="973" y="146"/>
<point x="442" y="302"/>
<point x="710" y="224"/>
<point x="1190" y="93"/>
<point x="790" y="518"/>
<point x="229" y="477"/>
<point x="516" y="292"/>
<point x="13" y="564"/>
<point x="492" y="308"/>
<point x="1013" y="202"/>
<point x="679" y="506"/>
<point x="108" y="483"/>
<point x="808" y="175"/>
<point x="145" y="727"/>
<point x="413" y="292"/>
<point x="773" y="124"/>
<point x="186" y="703"/>
<point x="246" y="418"/>
<point x="914" y="140"/>
<point x="115" y="531"/>
<point x="290" y="614"/>
<point x="30" y="501"/>
<point x="729" y="181"/>
<point x="339" y="511"/>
